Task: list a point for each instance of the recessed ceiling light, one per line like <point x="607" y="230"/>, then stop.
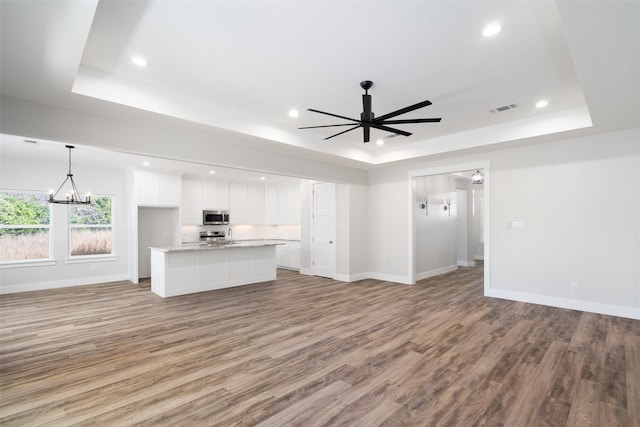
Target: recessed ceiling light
<point x="380" y="142"/>
<point x="293" y="113"/>
<point x="139" y="61"/>
<point x="542" y="103"/>
<point x="212" y="172"/>
<point x="491" y="30"/>
<point x="146" y="164"/>
<point x="262" y="178"/>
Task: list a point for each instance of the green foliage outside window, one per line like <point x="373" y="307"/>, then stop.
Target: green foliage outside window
<point x="24" y="226"/>
<point x="97" y="213"/>
<point x="22" y="209"/>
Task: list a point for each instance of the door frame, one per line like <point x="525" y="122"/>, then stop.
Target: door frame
<point x="441" y="170"/>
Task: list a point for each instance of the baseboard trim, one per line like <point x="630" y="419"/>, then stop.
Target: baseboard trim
<point x="391" y="278"/>
<point x="351" y="277"/>
<point x="571" y="304"/>
<point x="436" y="272"/>
<point x="26" y="287"/>
<point x="466" y="263"/>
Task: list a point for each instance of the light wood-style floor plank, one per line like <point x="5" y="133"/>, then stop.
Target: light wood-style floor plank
<point x="310" y="351"/>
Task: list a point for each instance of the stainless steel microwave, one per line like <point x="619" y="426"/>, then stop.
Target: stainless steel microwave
<point x="215" y="217"/>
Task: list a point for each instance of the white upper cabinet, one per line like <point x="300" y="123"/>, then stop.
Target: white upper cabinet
<point x="246" y="203"/>
<point x="222" y="194"/>
<point x="192" y="201"/>
<point x="238" y="208"/>
<point x="282" y="203"/>
<point x="156" y="189"/>
<point x="255" y="204"/>
<point x="270" y="204"/>
<point x="199" y="194"/>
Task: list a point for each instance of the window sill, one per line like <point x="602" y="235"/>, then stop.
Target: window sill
<point x="28" y="263"/>
<point x="91" y="258"/>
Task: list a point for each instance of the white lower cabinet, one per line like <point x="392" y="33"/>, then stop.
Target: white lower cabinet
<point x="179" y="272"/>
<point x="288" y="255"/>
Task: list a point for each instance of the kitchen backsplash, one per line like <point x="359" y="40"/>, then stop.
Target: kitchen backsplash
<point x="191" y="233"/>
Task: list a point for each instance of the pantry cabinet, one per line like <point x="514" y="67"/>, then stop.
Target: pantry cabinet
<point x="282" y="203"/>
<point x="157" y="189"/>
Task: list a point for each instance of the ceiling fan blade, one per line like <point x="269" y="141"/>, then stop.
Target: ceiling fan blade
<point x="401" y="122"/>
<point x="326" y="126"/>
<point x="340" y="133"/>
<point x="388" y="129"/>
<point x="403" y="110"/>
<point x="332" y="115"/>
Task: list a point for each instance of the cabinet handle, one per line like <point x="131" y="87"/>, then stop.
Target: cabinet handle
<point x="330" y="242"/>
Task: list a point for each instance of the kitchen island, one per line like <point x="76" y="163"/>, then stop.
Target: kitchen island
<point x="189" y="268"/>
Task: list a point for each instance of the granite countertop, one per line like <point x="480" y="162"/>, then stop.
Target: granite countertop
<point x="217" y="246"/>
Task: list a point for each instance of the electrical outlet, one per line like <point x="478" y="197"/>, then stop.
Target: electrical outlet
<point x="93" y="267"/>
<point x="575" y="286"/>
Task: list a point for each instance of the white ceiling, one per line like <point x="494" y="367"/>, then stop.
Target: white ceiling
<point x="240" y="66"/>
<point x="16" y="147"/>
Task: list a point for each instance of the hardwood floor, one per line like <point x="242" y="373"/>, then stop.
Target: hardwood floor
<point x="306" y="351"/>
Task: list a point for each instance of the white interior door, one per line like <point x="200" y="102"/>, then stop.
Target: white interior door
<point x="324" y="230"/>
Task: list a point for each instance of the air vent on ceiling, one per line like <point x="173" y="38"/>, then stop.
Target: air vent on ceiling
<point x="503" y="108"/>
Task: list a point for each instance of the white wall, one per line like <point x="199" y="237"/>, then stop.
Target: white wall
<point x="342" y="231"/>
<point x="20" y="174"/>
<point x="435" y="234"/>
<point x="306" y="212"/>
<point x="388" y="224"/>
<point x="351" y="232"/>
<point x="359" y="231"/>
<point x="580" y="201"/>
<point x="478" y="220"/>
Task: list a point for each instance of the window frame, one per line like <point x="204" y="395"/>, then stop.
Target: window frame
<point x="71" y="259"/>
<point x="29" y="262"/>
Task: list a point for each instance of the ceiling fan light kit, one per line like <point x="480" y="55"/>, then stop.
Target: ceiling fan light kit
<point x="368" y="119"/>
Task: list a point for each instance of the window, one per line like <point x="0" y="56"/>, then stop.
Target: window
<point x="24" y="226"/>
<point x="91" y="228"/>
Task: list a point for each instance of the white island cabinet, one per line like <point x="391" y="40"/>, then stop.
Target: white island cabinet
<point x="187" y="269"/>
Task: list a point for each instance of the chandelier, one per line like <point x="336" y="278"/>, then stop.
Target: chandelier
<point x="73" y="196"/>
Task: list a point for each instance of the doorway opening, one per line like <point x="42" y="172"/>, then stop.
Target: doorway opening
<point x="448" y="220"/>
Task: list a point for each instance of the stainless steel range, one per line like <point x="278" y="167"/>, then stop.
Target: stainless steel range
<point x="212" y="237"/>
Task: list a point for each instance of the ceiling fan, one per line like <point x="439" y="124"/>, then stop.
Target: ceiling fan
<point x="368" y="119"/>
